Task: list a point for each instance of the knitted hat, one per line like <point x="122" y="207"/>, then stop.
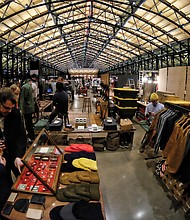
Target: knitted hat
<point x="76" y="155"/>
<point x="73" y="177"/>
<point x="69" y="178"/>
<point x="79" y="147"/>
<point x="55" y="213"/>
<point x="153" y="97"/>
<point x="64" y="179"/>
<point x="88" y="190"/>
<point x="94" y="192"/>
<point x="76" y="192"/>
<point x="94" y="177"/>
<point x="84" y="176"/>
<point x="61" y="197"/>
<point x="70" y="192"/>
<point x="86" y="164"/>
<point x="66" y="212"/>
<point x="68" y="167"/>
<point x="88" y="211"/>
<point x="88" y="176"/>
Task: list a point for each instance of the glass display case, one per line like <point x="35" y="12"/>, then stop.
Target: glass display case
<point x="42" y="163"/>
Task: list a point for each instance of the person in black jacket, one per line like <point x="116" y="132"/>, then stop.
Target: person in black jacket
<point x="13" y="132"/>
<point x="60" y="101"/>
<point x="4" y="189"/>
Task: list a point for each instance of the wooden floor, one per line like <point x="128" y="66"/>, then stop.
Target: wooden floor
<point x="75" y="111"/>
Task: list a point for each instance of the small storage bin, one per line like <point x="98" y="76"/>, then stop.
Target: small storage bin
<point x="125" y="93"/>
<point x="125" y="102"/>
<point x="126" y="112"/>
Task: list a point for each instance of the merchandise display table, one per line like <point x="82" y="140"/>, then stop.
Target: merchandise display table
<point x="39" y="148"/>
<point x="127" y="135"/>
<point x="50" y="203"/>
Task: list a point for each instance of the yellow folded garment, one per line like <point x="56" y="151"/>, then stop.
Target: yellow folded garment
<point x="85" y="164"/>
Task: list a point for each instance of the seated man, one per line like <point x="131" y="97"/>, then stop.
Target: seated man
<point x="154" y="106"/>
<point x="151" y="109"/>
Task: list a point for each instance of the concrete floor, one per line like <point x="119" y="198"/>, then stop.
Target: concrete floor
<point x="129" y="188"/>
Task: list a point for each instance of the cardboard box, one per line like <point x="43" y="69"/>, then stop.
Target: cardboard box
<point x="126" y="124"/>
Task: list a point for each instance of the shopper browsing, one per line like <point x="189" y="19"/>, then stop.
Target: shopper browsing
<point x="4" y="189"/>
<point x="13" y="132"/>
<point x="16" y="91"/>
<point x="26" y="105"/>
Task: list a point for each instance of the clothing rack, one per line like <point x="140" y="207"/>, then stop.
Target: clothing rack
<point x="177" y="107"/>
<point x="176" y="187"/>
<point x="182" y="109"/>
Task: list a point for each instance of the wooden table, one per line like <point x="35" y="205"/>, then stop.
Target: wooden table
<point x="50" y="203"/>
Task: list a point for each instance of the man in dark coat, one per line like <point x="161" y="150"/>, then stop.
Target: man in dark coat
<point x="4" y="189"/>
<point x="13" y="132"/>
<point x="60" y="101"/>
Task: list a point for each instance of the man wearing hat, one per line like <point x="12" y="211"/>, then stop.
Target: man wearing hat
<point x="151" y="109"/>
<point x="154" y="106"/>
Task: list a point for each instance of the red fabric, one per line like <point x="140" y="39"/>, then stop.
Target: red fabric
<point x="79" y="147"/>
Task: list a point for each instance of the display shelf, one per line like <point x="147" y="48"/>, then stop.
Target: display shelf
<point x="42" y="165"/>
<point x="140" y="114"/>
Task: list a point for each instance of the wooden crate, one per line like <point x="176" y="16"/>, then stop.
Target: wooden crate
<point x="177" y="189"/>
